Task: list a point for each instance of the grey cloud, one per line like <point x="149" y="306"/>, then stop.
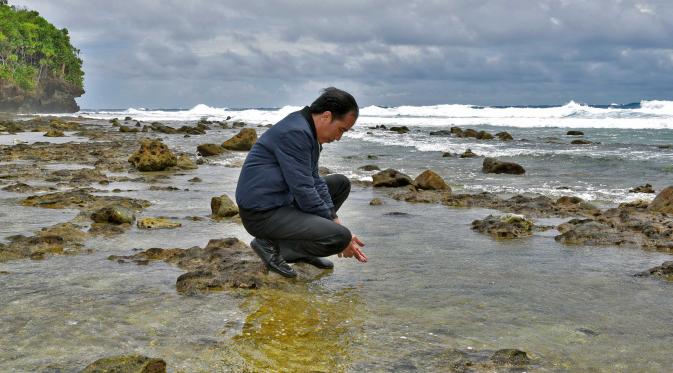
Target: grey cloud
<point x="258" y="53"/>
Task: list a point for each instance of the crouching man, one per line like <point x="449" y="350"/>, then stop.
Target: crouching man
<point x="284" y="203"/>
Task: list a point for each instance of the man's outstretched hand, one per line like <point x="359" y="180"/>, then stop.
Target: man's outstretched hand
<point x="354" y="250"/>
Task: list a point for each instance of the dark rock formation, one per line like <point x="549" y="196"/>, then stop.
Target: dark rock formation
<point x="51" y="95"/>
<point x="369" y="167"/>
<point x="114" y="215"/>
<point x="647" y="188"/>
<point x="468" y="154"/>
<point x="504" y="136"/>
<point x="440" y="133"/>
<point x="492" y="165"/>
<point x="209" y="150"/>
<point x="581" y="142"/>
<point x="391" y="178"/>
<point x="399" y="129"/>
<point x="575" y="133"/>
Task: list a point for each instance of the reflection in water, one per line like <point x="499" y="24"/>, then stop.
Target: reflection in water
<point x="300" y="329"/>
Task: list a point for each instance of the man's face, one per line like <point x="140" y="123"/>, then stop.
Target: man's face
<point x="329" y="129"/>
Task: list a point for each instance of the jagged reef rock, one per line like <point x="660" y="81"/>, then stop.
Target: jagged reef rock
<point x="507" y="226"/>
<point x="242" y="141"/>
<point x="153" y="155"/>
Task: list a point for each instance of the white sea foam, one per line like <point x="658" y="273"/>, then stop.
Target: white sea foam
<point x="650" y="114"/>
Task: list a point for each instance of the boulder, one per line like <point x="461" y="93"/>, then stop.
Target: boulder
<point x="153" y="155"/>
<point x="159" y="127"/>
<point x="581" y="142"/>
<point x="399" y="129"/>
<point x="324" y="171"/>
<point x="192" y="130"/>
<point x="195" y="180"/>
<point x="507" y="226"/>
<point x="242" y="141"/>
<point x="186" y="163"/>
<point x="469" y="133"/>
<point x="430" y="180"/>
<point x="456" y="131"/>
<point x="663" y="202"/>
<point x="223" y="206"/>
<point x="128" y="129"/>
<point x="376" y="202"/>
<point x="208" y="150"/>
<point x="483" y="135"/>
<point x="468" y="154"/>
<point x="157" y="223"/>
<point x="369" y="167"/>
<point x="647" y="188"/>
<point x="390" y="178"/>
<point x="114" y="215"/>
<point x="494" y="166"/>
<point x="54" y="133"/>
<point x="575" y="133"/>
<point x="126" y="364"/>
<point x="504" y="136"/>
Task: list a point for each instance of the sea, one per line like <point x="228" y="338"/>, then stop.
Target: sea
<point x="432" y="290"/>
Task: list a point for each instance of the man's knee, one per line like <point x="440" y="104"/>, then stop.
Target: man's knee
<point x="339" y="241"/>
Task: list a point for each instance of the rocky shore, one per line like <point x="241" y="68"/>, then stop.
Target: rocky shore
<point x="133" y="148"/>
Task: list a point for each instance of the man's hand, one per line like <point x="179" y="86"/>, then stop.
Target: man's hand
<point x="353" y="250"/>
<point x="337" y="220"/>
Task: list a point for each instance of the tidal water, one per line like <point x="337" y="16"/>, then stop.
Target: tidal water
<point x="431" y="284"/>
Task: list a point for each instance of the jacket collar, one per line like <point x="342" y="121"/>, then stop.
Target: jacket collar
<point x="306" y="113"/>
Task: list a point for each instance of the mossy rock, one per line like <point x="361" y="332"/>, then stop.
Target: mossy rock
<point x="430" y="180"/>
<point x="54" y="133"/>
<point x="153" y="155"/>
<point x="223" y="206"/>
<point x="157" y="223"/>
<point x="126" y="364"/>
<point x="242" y="141"/>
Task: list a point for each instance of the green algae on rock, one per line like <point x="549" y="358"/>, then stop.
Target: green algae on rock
<point x="153" y="155"/>
<point x="242" y="141"/>
<point x="126" y="364"/>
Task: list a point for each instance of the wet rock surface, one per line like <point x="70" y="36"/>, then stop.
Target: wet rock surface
<point x="153" y="155"/>
<point x="494" y="166"/>
<point x="664" y="271"/>
<point x="157" y="223"/>
<point x="126" y="364"/>
<point x="508" y="226"/>
<point x="59" y="239"/>
<point x="663" y="202"/>
<point x="242" y="141"/>
<point x="430" y="180"/>
<point x="223" y="206"/>
<point x="223" y="264"/>
<point x="391" y="178"/>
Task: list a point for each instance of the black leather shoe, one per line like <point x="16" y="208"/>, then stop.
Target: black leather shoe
<point x="270" y="256"/>
<point x="314" y="261"/>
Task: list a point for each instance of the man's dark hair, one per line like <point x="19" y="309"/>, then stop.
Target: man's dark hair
<point x="336" y="101"/>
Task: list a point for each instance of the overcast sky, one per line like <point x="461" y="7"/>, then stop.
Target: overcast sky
<point x="179" y="53"/>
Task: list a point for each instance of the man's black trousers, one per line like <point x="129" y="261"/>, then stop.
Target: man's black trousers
<point x="300" y="234"/>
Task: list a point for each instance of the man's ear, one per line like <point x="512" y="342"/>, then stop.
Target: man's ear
<point x="327" y="116"/>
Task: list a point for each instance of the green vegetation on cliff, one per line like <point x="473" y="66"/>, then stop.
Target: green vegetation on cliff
<point x="32" y="49"/>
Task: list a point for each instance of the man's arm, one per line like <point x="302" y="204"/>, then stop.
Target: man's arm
<point x="293" y="154"/>
<point x="323" y="190"/>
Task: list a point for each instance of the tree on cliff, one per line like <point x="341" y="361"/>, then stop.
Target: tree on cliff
<point x="35" y="57"/>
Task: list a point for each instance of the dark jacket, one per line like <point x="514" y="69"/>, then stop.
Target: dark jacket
<point x="282" y="169"/>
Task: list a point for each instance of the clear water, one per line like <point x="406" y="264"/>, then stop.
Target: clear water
<point x="431" y="284"/>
